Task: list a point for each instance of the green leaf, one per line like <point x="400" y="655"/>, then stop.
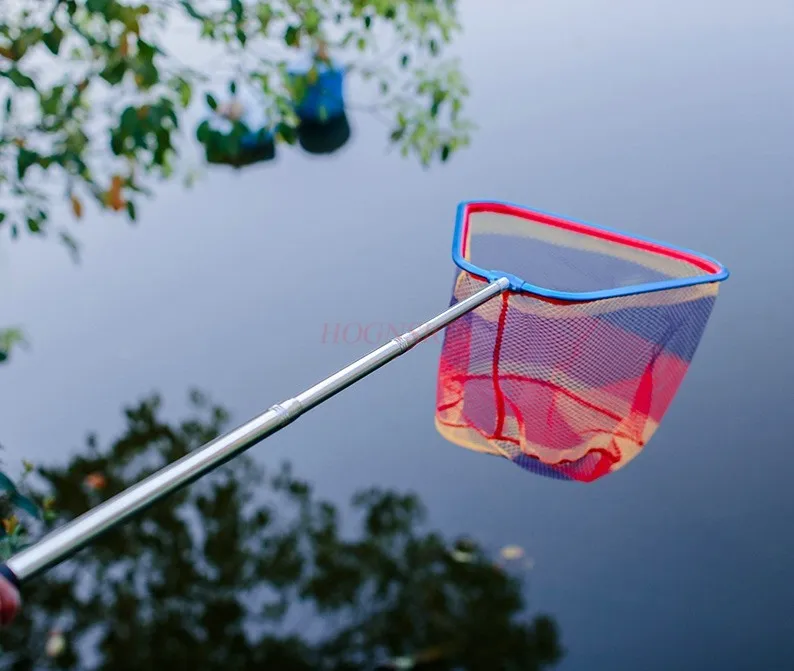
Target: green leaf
<point x="76" y="142"/>
<point x="147" y="75"/>
<point x="97" y="6"/>
<point x="33" y="225"/>
<point x="347" y="39"/>
<point x="292" y="36"/>
<point x="232" y="87"/>
<point x="404" y="60"/>
<point x="52" y="40"/>
<point x="203" y="132"/>
<point x="117" y="143"/>
<point x="265" y="14"/>
<point x="212" y="102"/>
<point x="191" y="10"/>
<point x="147" y="51"/>
<point x="445" y="151"/>
<point x="311" y="20"/>
<point x="287" y="133"/>
<point x="129" y="120"/>
<point x="9" y="338"/>
<point x="438" y="99"/>
<point x="114" y="73"/>
<point x="128" y="125"/>
<point x="397" y="134"/>
<point x="25" y="160"/>
<point x="208" y="29"/>
<point x="6" y="484"/>
<point x="131" y="210"/>
<point x="24" y="503"/>
<point x="185" y="93"/>
<point x="19" y="79"/>
<point x="50" y="103"/>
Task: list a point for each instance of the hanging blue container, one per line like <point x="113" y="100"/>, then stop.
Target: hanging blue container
<point x="324" y="138"/>
<point x="255" y="119"/>
<point x="324" y="99"/>
<point x="248" y="141"/>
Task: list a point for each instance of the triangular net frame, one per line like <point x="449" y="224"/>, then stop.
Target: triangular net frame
<point x="569" y="373"/>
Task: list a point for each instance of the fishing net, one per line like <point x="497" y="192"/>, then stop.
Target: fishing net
<point x="569" y="373"/>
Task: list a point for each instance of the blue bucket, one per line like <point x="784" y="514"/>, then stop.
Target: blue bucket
<point x="324" y="100"/>
<point x="324" y="138"/>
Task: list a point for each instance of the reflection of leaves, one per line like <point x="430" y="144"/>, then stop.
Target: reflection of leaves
<point x="511" y="552"/>
<point x="237" y="570"/>
<point x="13" y="534"/>
<point x="16" y="499"/>
<point x="56" y="644"/>
<point x="95" y="481"/>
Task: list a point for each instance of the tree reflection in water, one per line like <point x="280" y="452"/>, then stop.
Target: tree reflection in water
<point x="247" y="569"/>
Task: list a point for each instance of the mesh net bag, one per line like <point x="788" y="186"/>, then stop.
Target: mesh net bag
<point x="569" y="373"/>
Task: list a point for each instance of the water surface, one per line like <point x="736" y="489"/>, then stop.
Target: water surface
<point x="668" y="121"/>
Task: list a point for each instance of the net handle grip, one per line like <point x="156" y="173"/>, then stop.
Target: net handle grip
<point x="63" y="542"/>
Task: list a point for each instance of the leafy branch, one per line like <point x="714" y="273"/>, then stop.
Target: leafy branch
<point x="95" y="106"/>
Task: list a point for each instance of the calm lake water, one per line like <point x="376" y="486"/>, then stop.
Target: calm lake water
<point x="670" y="121"/>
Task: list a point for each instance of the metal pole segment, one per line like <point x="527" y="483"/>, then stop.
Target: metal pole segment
<point x="73" y="536"/>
